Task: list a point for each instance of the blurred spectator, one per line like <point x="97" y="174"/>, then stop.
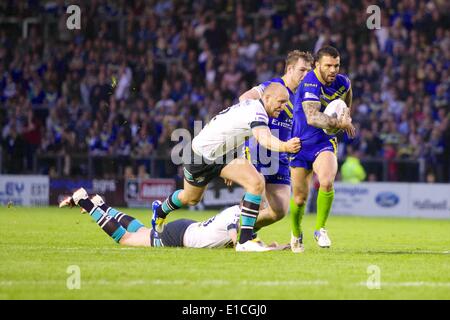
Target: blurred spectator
<point x="14" y="147"/>
<point x="128" y="173"/>
<point x="389" y="153"/>
<point x="142" y="172"/>
<point x="351" y="170"/>
<point x="431" y="177"/>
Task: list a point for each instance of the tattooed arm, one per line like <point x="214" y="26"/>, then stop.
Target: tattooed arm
<point x="316" y="118"/>
<point x="320" y="120"/>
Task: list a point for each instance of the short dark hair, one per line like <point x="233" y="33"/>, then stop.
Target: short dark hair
<point x="327" y="51"/>
<point x="294" y="56"/>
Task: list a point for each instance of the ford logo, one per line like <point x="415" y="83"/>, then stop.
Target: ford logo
<point x="387" y="199"/>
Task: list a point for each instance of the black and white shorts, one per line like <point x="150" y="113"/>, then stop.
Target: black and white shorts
<point x="173" y="234"/>
<point x="200" y="171"/>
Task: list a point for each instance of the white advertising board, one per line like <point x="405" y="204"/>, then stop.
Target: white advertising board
<point x="381" y="199"/>
<point x="392" y="199"/>
<point x="429" y="200"/>
<point x="24" y="190"/>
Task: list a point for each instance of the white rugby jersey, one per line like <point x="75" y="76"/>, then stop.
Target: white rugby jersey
<point x="213" y="233"/>
<point x="228" y="130"/>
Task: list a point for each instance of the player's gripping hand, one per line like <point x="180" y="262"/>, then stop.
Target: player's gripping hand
<point x="345" y="122"/>
<point x="293" y="145"/>
<point x="228" y="182"/>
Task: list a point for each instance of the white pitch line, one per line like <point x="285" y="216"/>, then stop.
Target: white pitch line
<point x="285" y="283"/>
<point x="410" y="284"/>
<point x="181" y="282"/>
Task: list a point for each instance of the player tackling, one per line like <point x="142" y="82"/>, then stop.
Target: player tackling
<point x="318" y="154"/>
<point x="276" y="170"/>
<point x="215" y="154"/>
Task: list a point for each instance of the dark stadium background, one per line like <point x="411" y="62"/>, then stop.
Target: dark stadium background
<point x="102" y="102"/>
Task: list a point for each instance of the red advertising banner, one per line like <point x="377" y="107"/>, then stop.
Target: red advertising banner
<point x="142" y="192"/>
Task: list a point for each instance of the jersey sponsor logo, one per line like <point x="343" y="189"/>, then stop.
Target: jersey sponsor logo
<point x="309" y="95"/>
<point x="310" y="85"/>
<point x="287" y="124"/>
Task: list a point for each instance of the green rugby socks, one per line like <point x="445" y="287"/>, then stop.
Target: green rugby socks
<point x="297" y="213"/>
<point x="324" y="202"/>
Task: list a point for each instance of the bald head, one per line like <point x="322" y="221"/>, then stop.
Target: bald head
<point x="275" y="97"/>
<point x="276" y="89"/>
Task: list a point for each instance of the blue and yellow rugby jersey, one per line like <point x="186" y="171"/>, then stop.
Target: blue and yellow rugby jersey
<point x="312" y="89"/>
<point x="283" y="123"/>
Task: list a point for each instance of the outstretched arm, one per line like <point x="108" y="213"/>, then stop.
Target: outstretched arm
<point x="264" y="137"/>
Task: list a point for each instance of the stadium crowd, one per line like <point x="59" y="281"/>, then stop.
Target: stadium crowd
<point x="137" y="70"/>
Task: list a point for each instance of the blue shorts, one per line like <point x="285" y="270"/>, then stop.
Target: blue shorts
<point x="308" y="154"/>
<point x="278" y="179"/>
<point x="282" y="176"/>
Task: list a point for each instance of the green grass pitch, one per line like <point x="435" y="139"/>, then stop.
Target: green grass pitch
<point x="37" y="246"/>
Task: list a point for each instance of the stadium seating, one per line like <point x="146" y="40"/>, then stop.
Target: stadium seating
<point x="118" y="87"/>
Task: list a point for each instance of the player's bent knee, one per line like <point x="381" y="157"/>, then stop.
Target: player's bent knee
<point x="256" y="186"/>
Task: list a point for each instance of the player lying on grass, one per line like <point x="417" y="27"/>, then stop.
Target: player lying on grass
<point x="219" y="231"/>
<point x="214" y="154"/>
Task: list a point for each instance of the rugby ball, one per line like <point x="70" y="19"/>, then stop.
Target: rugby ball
<point x="334" y="109"/>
